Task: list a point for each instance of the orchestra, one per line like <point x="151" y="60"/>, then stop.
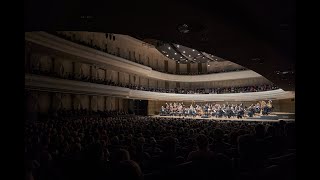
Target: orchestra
<point x="216" y="110"/>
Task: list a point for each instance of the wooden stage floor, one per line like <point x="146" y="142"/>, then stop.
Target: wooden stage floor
<point x="254" y="119"/>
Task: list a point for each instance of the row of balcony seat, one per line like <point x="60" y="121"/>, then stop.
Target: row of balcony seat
<point x="218" y="90"/>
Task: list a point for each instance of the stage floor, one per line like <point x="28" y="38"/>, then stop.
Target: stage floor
<point x="254" y="119"/>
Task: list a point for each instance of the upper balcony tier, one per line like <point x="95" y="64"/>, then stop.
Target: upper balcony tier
<point x="92" y="56"/>
<point x="78" y="87"/>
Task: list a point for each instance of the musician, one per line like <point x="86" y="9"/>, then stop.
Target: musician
<point x="251" y="110"/>
<point x="240" y="113"/>
<point x="162" y="110"/>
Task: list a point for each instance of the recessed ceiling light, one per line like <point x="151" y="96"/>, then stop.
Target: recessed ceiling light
<point x="167" y="55"/>
<point x="189" y="55"/>
<point x="175" y="53"/>
<point x="198" y="54"/>
<point x="184" y="51"/>
<point x="169" y="47"/>
<point x="211" y="55"/>
<point x="192" y="49"/>
<point x="178" y="46"/>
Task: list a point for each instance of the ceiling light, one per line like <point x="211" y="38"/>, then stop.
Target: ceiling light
<point x="198" y="54"/>
<point x="175" y="53"/>
<point x="184" y="51"/>
<point x="180" y="57"/>
<point x="178" y="46"/>
<point x="167" y="55"/>
<point x="202" y="57"/>
<point x="211" y="55"/>
<point x="169" y="47"/>
<point x="194" y="59"/>
<point x="172" y="58"/>
<point x="189" y="55"/>
<point x="208" y="64"/>
<point x="216" y="59"/>
<point x="192" y="49"/>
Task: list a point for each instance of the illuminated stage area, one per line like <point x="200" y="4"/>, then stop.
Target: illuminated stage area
<point x="273" y="117"/>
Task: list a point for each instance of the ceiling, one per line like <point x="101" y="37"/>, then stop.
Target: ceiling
<point x="259" y="35"/>
<point x="185" y="55"/>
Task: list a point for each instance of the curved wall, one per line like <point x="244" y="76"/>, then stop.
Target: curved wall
<point x="93" y="56"/>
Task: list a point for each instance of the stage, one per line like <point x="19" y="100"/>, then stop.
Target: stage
<point x="273" y="117"/>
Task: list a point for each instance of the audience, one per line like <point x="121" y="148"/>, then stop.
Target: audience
<point x="223" y="90"/>
<point x="138" y="147"/>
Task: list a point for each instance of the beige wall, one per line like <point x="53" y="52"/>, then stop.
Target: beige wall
<point x="171" y="66"/>
<point x="40" y="101"/>
<point x="183" y="68"/>
<point x="152" y="83"/>
<point x="161" y="84"/>
<point x="194" y="67"/>
<point x="287" y="105"/>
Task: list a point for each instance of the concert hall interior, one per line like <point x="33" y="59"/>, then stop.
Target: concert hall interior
<point x="200" y="96"/>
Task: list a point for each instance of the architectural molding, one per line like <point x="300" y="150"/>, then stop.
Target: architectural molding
<point x="93" y="56"/>
<point x="51" y="84"/>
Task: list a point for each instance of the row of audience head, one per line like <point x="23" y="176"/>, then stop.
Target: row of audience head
<point x="102" y="147"/>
